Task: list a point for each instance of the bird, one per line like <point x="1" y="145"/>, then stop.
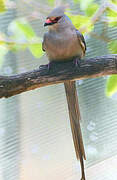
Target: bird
<point x="62" y="43"/>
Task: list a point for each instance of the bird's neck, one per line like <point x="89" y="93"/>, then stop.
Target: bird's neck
<point x="57" y="28"/>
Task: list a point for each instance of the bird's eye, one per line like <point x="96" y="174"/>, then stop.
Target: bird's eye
<point x="57" y="18"/>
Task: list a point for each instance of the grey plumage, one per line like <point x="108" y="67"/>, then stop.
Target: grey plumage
<point x="59" y="11"/>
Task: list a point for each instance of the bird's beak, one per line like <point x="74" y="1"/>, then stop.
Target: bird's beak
<point x="48" y="22"/>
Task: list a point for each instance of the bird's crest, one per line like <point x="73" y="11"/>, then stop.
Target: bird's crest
<point x="59" y="11"/>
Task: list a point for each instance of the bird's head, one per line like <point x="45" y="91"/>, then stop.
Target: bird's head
<point x="52" y="20"/>
<point x="55" y="17"/>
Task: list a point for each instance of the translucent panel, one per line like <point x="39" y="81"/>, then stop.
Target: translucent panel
<point x="35" y="135"/>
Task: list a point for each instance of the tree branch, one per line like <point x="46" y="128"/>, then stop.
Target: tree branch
<point x="57" y="73"/>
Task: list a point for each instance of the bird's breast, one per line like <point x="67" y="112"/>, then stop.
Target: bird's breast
<point x="62" y="46"/>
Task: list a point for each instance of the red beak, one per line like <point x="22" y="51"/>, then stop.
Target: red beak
<point x="48" y="22"/>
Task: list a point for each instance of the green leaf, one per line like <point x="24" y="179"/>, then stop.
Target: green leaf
<point x="84" y="4"/>
<point x="2" y="6"/>
<point x="3" y="52"/>
<point x="114" y="1"/>
<point x="25" y="37"/>
<point x="111" y="13"/>
<point x="51" y="2"/>
<point x="18" y="47"/>
<point x="112" y="46"/>
<point x="17" y="34"/>
<point x="76" y="1"/>
<point x="90" y="10"/>
<point x="36" y="49"/>
<point x="79" y="21"/>
<point x="21" y="30"/>
<point x="112" y="17"/>
<point x="111" y="86"/>
<point x="113" y="22"/>
<point x="26" y="29"/>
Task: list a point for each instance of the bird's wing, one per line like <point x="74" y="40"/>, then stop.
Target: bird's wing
<point x="43" y="43"/>
<point x="81" y="41"/>
<point x="43" y="46"/>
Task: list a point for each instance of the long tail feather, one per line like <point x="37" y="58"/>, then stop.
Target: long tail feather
<point x="74" y="114"/>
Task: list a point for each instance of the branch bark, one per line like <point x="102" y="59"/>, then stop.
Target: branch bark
<point x="57" y="73"/>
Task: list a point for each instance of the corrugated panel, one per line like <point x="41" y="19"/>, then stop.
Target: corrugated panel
<point x="35" y="135"/>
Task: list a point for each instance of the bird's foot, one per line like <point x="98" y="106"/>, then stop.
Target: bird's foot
<point x="51" y="66"/>
<point x="45" y="67"/>
<point x="77" y="62"/>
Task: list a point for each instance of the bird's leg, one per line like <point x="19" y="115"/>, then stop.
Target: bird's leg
<point x="41" y="67"/>
<point x="46" y="66"/>
<point x="76" y="62"/>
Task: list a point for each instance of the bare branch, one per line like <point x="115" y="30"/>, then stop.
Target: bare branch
<point x="112" y="6"/>
<point x="58" y="73"/>
<point x="99" y="37"/>
<point x="99" y="12"/>
<point x="96" y="16"/>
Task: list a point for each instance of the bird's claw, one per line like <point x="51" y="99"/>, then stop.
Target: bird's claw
<point x="77" y="64"/>
<point x="43" y="67"/>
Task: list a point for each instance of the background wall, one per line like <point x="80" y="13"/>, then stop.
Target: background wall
<point x="35" y="135"/>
